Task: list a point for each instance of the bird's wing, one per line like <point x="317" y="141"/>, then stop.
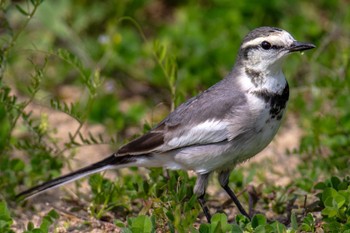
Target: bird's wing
<point x="145" y="144"/>
<point x="204" y="119"/>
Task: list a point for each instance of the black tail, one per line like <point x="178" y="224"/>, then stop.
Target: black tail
<point x="108" y="163"/>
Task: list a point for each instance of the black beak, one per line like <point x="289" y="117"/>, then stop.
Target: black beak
<point x="300" y="46"/>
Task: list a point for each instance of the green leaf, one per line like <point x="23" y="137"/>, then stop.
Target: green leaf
<point x="119" y="223"/>
<point x="219" y="217"/>
<point x="308" y="223"/>
<point x="242" y="220"/>
<point x="335" y="181"/>
<point x="53" y="215"/>
<point x="294" y="221"/>
<point x="258" y="220"/>
<point x="160" y="50"/>
<point x="48" y="220"/>
<point x="204" y="228"/>
<point x="236" y="229"/>
<point x="5" y="128"/>
<point x="74" y="61"/>
<point x="343" y="185"/>
<point x="278" y="227"/>
<point x="126" y="230"/>
<point x="330" y="212"/>
<point x="45" y="224"/>
<point x="141" y="224"/>
<point x="320" y="186"/>
<point x="328" y="192"/>
<point x="71" y="110"/>
<point x="346" y="194"/>
<point x="339" y="200"/>
<point x="261" y="229"/>
<point x="218" y="224"/>
<point x="221" y="220"/>
<point x="30" y="226"/>
<point x="336" y="201"/>
<point x="21" y="10"/>
<point x="5" y="216"/>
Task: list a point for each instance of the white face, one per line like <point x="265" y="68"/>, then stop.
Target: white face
<point x="266" y="52"/>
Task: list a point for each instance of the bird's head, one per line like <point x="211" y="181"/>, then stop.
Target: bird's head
<point x="264" y="48"/>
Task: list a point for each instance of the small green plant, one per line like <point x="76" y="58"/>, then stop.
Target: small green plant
<point x="258" y="223"/>
<point x="218" y="224"/>
<point x="335" y="203"/>
<point x="6" y="221"/>
<point x="14" y="116"/>
<point x="5" y="218"/>
<point x="105" y="195"/>
<point x="308" y="223"/>
<point x="140" y="224"/>
<point x="47" y="221"/>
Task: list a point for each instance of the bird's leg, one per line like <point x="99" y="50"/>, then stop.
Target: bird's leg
<point x="199" y="190"/>
<point x="223" y="180"/>
<point x="205" y="209"/>
<point x="235" y="200"/>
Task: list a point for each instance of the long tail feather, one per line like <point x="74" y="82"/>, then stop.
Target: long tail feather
<point x="108" y="163"/>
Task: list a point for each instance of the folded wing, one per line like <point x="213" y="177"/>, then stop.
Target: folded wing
<point x="195" y="122"/>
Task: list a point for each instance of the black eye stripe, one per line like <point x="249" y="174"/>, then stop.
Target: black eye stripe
<point x="252" y="47"/>
<point x="277" y="47"/>
<point x="249" y="48"/>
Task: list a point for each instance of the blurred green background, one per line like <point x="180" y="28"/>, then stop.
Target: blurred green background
<point x="110" y="63"/>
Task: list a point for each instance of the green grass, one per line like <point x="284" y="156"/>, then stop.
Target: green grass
<point x="136" y="60"/>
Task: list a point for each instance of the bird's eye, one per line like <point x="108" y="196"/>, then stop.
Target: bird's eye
<point x="265" y="45"/>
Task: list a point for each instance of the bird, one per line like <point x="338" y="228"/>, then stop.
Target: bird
<point x="218" y="129"/>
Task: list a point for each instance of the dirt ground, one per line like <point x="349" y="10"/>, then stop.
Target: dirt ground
<point x="279" y="168"/>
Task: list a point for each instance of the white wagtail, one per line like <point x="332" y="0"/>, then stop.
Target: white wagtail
<point x="219" y="128"/>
